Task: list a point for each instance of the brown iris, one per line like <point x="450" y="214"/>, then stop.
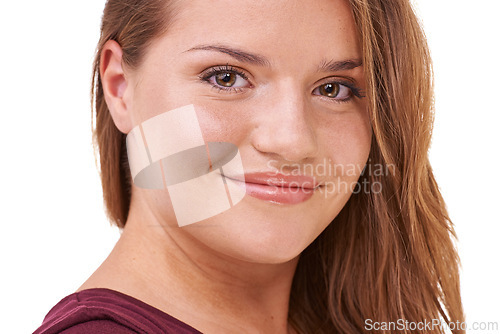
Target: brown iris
<point x="225" y="79"/>
<point x="330" y="90"/>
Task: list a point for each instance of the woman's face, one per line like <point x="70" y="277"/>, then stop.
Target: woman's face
<point x="283" y="81"/>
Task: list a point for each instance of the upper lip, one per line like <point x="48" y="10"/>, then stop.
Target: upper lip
<point x="272" y="178"/>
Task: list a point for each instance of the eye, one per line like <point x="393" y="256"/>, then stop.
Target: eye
<point x="226" y="78"/>
<point x="334" y="90"/>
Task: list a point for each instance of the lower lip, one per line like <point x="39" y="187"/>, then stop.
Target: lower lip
<point x="277" y="194"/>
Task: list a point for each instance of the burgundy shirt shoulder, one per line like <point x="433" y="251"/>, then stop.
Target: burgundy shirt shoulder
<point x="109" y="311"/>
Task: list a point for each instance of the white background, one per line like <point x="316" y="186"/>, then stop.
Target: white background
<point x="53" y="229"/>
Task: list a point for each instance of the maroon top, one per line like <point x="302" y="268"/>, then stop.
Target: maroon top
<point x="109" y="311"/>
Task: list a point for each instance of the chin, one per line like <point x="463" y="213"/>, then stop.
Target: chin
<point x="267" y="237"/>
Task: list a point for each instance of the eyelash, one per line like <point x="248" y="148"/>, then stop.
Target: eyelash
<point x="216" y="70"/>
<point x="206" y="75"/>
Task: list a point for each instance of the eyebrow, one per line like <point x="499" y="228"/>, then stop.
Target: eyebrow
<point x="247" y="57"/>
<point x="240" y="55"/>
<point x="337" y="66"/>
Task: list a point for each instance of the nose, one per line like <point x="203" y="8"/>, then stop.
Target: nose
<point x="285" y="127"/>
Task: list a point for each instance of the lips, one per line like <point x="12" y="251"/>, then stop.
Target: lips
<point x="277" y="187"/>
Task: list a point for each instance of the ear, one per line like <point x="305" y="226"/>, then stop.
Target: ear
<point x="115" y="86"/>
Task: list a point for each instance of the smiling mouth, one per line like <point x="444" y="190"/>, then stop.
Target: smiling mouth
<point x="277" y="188"/>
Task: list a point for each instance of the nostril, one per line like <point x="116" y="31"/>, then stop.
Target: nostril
<point x="287" y="144"/>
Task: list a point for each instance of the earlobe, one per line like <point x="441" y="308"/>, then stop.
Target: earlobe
<point x="114" y="84"/>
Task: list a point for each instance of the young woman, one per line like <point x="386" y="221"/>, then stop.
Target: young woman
<point x="328" y="105"/>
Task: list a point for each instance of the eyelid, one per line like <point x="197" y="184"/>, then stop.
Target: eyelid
<point x="208" y="73"/>
<point x="217" y="69"/>
<point x="340" y="80"/>
<point x="344" y="81"/>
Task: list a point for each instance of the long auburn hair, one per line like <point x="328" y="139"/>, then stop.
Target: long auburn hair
<point x="388" y="256"/>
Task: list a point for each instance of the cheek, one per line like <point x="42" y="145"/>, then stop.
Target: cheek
<point x="223" y="123"/>
<point x="347" y="140"/>
<point x="155" y="94"/>
<point x="346" y="146"/>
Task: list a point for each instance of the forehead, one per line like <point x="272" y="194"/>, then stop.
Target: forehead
<point x="281" y="30"/>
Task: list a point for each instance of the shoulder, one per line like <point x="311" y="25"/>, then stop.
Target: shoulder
<point x="97" y="326"/>
<point x="108" y="311"/>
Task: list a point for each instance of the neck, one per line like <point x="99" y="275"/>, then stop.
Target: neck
<point x="169" y="269"/>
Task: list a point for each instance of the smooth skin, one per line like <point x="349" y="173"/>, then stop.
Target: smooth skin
<point x="232" y="273"/>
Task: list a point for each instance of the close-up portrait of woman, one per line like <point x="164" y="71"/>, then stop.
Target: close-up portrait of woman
<point x="267" y="166"/>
